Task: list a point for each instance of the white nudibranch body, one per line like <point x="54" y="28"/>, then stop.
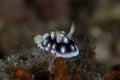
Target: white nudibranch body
<point x="56" y="42"/>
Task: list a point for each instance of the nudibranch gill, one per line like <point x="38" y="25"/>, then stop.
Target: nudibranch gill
<point x="58" y="43"/>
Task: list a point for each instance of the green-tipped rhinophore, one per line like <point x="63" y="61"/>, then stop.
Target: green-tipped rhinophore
<point x="71" y="30"/>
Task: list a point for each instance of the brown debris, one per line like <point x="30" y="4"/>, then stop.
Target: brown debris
<point x="77" y="76"/>
<point x="59" y="69"/>
<point x="20" y="74"/>
<point x="113" y="75"/>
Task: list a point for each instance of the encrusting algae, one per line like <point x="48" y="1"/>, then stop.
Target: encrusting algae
<point x="59" y="69"/>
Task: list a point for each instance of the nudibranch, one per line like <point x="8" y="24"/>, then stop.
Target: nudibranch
<point x="58" y="43"/>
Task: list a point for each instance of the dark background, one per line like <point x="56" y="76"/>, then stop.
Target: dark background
<point x="96" y="20"/>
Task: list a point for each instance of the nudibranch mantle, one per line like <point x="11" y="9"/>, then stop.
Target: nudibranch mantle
<point x="58" y="43"/>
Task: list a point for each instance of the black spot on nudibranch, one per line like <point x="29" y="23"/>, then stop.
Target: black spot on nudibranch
<point x="66" y="45"/>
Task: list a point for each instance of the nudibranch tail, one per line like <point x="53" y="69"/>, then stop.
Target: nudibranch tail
<point x="38" y="39"/>
<point x="69" y="35"/>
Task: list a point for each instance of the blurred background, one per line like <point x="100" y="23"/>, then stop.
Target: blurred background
<point x="96" y="20"/>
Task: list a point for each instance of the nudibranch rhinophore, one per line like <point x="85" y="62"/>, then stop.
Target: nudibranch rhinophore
<point x="58" y="43"/>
